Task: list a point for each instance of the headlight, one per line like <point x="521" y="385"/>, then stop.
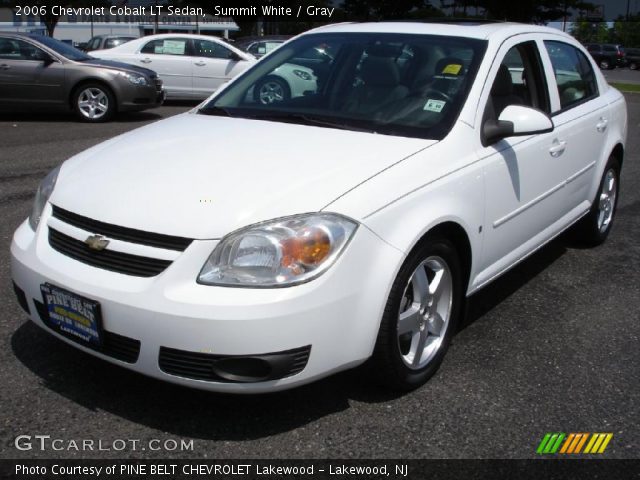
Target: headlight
<point x="136" y="79"/>
<point x="278" y="253"/>
<point x="302" y="74"/>
<point x="45" y="189"/>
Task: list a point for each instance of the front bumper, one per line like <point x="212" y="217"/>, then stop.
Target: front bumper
<point x="135" y="98"/>
<point x="325" y="325"/>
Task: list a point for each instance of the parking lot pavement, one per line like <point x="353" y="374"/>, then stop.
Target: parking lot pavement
<point x="622" y="75"/>
<point x="552" y="346"/>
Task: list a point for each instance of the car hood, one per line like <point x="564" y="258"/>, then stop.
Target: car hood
<point x="202" y="176"/>
<point x="121" y="66"/>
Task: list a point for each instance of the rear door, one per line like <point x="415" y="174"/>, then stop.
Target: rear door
<point x="171" y="58"/>
<point x="580" y="115"/>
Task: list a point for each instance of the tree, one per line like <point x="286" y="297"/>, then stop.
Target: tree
<point x="381" y="9"/>
<point x="526" y="11"/>
<point x="627" y="32"/>
<point x="590" y="32"/>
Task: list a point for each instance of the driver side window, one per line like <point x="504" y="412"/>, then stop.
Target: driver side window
<point x="519" y="81"/>
<point x="13" y="49"/>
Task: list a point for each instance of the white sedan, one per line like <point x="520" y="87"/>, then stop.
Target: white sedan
<point x="428" y="160"/>
<point x="195" y="66"/>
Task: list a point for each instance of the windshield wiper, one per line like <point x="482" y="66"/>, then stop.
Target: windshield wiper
<point x="305" y="119"/>
<point x="216" y="111"/>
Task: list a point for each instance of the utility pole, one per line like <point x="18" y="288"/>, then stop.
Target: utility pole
<point x="155" y="26"/>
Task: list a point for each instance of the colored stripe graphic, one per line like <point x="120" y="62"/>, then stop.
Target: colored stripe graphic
<point x="573" y="443"/>
<point x="550" y="443"/>
<point x="598" y="442"/>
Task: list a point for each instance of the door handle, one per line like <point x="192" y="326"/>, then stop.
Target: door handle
<point x="558" y="148"/>
<point x="145" y="60"/>
<point x="601" y="126"/>
<point x="200" y="64"/>
<point x="4" y="66"/>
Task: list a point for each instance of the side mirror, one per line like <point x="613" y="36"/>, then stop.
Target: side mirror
<point x="43" y="57"/>
<point x="515" y="120"/>
<point x="235" y="57"/>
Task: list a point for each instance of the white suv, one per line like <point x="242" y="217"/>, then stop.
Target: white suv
<point x="249" y="247"/>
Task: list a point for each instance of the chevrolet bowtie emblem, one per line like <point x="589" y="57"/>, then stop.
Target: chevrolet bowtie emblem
<point x="96" y="242"/>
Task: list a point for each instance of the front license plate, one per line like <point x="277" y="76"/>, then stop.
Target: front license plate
<point x="73" y="315"/>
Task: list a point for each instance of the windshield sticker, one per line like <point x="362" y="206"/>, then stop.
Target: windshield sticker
<point x="434" y="105"/>
<point x="174" y="47"/>
<point x="452" y="69"/>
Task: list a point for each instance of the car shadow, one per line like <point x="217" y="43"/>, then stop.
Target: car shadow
<point x="199" y="414"/>
<point x="482" y="302"/>
<point x="61" y="117"/>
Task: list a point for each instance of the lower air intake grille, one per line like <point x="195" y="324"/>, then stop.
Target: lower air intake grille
<point x="233" y="368"/>
<point x="113" y="345"/>
<point x="106" y="259"/>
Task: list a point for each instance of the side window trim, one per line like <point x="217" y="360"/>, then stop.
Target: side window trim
<point x="552" y="86"/>
<point x="529" y="51"/>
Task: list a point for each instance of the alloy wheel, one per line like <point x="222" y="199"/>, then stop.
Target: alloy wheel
<point x="425" y="311"/>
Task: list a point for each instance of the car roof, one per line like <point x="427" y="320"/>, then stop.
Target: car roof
<point x="452" y="28"/>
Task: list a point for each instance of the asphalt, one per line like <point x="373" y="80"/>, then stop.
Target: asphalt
<point x="553" y="346"/>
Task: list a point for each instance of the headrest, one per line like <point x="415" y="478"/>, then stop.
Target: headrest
<point x="503" y="84"/>
<point x="380" y="72"/>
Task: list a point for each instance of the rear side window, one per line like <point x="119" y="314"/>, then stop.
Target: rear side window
<point x="206" y="48"/>
<point x="167" y="46"/>
<point x="574" y="75"/>
<point x="94" y="44"/>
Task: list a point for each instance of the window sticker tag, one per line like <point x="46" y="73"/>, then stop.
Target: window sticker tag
<point x="174" y="47"/>
<point x="452" y="69"/>
<point x="434" y="105"/>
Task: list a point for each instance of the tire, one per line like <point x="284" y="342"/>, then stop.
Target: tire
<point x="593" y="229"/>
<point x="94" y="103"/>
<point x="394" y="362"/>
<point x="605" y="64"/>
<point x="633" y="66"/>
<point x="271" y="90"/>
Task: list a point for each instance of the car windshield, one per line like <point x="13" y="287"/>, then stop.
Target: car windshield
<point x="62" y="48"/>
<point x="396" y="84"/>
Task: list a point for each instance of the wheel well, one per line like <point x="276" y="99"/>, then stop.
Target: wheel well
<point x="618" y="153"/>
<point x="458" y="236"/>
<point x="88" y="82"/>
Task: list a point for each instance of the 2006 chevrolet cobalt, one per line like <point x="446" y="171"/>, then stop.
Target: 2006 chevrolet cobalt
<point x="252" y="246"/>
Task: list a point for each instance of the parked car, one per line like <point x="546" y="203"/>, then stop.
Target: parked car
<point x="195" y="66"/>
<point x="41" y="72"/>
<point x="352" y="224"/>
<point x="633" y="57"/>
<point x="260" y="46"/>
<point x="104" y="42"/>
<point x="607" y="56"/>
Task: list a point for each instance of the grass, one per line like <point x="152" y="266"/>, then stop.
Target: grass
<point x="626" y="87"/>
